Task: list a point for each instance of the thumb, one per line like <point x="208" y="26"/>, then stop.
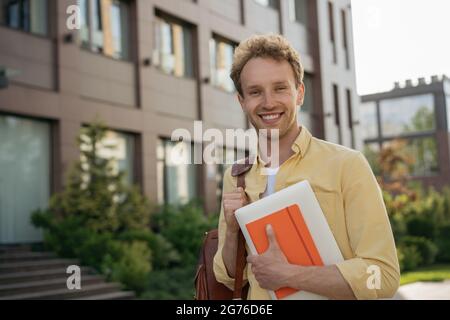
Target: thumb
<point x="271" y="236"/>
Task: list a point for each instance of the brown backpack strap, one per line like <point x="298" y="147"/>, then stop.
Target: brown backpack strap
<point x="239" y="170"/>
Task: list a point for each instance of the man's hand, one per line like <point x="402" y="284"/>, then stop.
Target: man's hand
<point x="231" y="202"/>
<point x="271" y="269"/>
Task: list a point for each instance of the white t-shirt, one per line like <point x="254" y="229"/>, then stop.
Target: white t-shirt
<point x="271" y="178"/>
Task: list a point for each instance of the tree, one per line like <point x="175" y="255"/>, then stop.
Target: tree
<point x="99" y="218"/>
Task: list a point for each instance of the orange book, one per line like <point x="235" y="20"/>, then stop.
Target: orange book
<point x="293" y="237"/>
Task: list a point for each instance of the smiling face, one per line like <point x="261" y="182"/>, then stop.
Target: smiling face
<point x="270" y="96"/>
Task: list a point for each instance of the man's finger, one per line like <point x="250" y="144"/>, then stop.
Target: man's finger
<point x="271" y="236"/>
<point x="241" y="191"/>
<point x="233" y="195"/>
<point x="232" y="203"/>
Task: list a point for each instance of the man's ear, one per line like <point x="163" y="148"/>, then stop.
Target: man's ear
<point x="300" y="94"/>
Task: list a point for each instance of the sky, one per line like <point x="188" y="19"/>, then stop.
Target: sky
<point x="395" y="40"/>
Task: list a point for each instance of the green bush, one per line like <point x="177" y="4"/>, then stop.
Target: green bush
<point x="163" y="253"/>
<point x="421" y="226"/>
<point x="443" y="243"/>
<point x="426" y="248"/>
<point x="184" y="228"/>
<point x="171" y="284"/>
<point x="98" y="218"/>
<point x="408" y="257"/>
<point x="129" y="263"/>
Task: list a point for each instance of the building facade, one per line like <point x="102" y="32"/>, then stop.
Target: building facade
<point x="420" y="115"/>
<point x="146" y="68"/>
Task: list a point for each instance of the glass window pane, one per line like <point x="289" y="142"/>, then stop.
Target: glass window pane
<point x="180" y="172"/>
<point x="173" y="51"/>
<point x="96" y="23"/>
<point x="24" y="176"/>
<point x="308" y="100"/>
<point x="222" y="60"/>
<point x="25" y="18"/>
<point x="304" y="114"/>
<point x="30" y="16"/>
<point x="424" y="155"/>
<point x="407" y="115"/>
<point x="188" y="52"/>
<point x="268" y="3"/>
<point x="120" y="149"/>
<point x="167" y="58"/>
<point x="11" y="13"/>
<point x="368" y="119"/>
<point x="38" y="16"/>
<point x="298" y="11"/>
<point x="84" y="22"/>
<point x="178" y="50"/>
<point x="118" y="30"/>
<point x="448" y="113"/>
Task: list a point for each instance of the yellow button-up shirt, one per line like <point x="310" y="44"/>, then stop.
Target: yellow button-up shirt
<point x="351" y="200"/>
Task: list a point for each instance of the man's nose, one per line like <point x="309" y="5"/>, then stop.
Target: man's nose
<point x="269" y="101"/>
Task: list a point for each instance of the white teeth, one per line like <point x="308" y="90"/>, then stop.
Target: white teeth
<point x="271" y="116"/>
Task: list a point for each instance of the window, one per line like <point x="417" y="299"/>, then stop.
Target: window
<point x="407" y="115"/>
<point x="425" y="154"/>
<point x="221" y="53"/>
<point x="369" y="122"/>
<point x="448" y="113"/>
<point x="348" y="94"/>
<point x="104" y="27"/>
<point x="120" y="148"/>
<point x="337" y="117"/>
<point x="268" y="3"/>
<point x="173" y="51"/>
<point x="177" y="175"/>
<point x="331" y="24"/>
<point x="344" y="38"/>
<point x="298" y="11"/>
<point x="27" y="15"/>
<point x="24" y="176"/>
<point x="308" y="100"/>
<point x="306" y="110"/>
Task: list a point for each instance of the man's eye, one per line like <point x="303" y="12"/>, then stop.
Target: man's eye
<point x="253" y="93"/>
<point x="280" y="88"/>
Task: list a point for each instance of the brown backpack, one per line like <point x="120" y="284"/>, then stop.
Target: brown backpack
<point x="206" y="285"/>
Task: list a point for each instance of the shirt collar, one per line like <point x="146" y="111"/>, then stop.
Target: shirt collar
<point x="300" y="145"/>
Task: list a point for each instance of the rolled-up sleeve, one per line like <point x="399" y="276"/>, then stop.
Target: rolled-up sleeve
<point x="369" y="233"/>
<point x="219" y="268"/>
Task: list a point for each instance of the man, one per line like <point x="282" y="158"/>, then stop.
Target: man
<point x="268" y="77"/>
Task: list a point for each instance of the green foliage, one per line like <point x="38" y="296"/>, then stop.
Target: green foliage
<point x="183" y="227"/>
<point x="408" y="257"/>
<point x="88" y="220"/>
<point x="163" y="253"/>
<point x="421" y="226"/>
<point x="425" y="247"/>
<point x="443" y="243"/>
<point x="171" y="284"/>
<point x="129" y="263"/>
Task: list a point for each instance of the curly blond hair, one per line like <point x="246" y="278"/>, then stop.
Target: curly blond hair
<point x="272" y="46"/>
